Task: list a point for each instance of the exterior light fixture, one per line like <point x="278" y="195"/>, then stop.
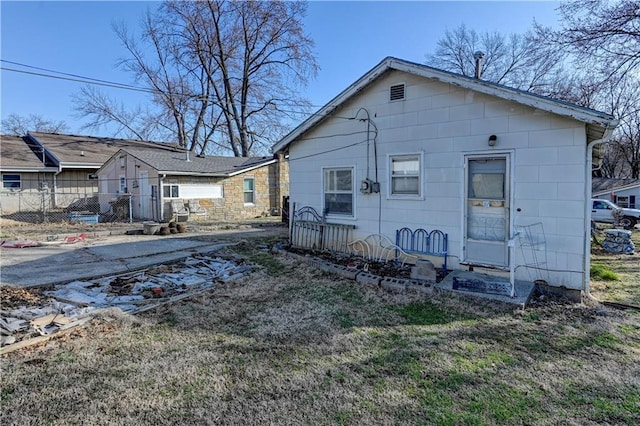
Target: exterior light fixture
<point x="492" y="140"/>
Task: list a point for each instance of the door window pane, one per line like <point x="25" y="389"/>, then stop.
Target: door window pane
<point x="488" y="186"/>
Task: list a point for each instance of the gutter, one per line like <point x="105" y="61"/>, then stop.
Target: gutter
<point x="606" y="137"/>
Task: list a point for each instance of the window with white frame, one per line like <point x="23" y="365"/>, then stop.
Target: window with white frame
<point x="338" y="191"/>
<point x="622" y="201"/>
<point x="405" y="175"/>
<point x="248" y="188"/>
<point x="170" y="191"/>
<point x="122" y="186"/>
<point x="11" y="182"/>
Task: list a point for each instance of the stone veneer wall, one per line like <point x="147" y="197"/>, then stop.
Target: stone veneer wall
<point x="271" y="184"/>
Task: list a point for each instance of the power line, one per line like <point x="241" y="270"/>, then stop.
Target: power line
<point x="315" y="154"/>
<point x="67" y="74"/>
<point x="106" y="83"/>
<point x="99" y="82"/>
<point x="78" y="80"/>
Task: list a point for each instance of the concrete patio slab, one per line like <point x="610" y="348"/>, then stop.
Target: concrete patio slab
<point x="524" y="289"/>
<point x="58" y="263"/>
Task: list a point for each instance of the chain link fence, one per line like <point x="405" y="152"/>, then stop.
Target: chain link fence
<point x="38" y="201"/>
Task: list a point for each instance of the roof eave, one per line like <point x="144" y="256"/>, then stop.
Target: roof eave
<point x="183" y="173"/>
<point x="216" y="174"/>
<point x="253" y="167"/>
<point x="15" y="169"/>
<point x="75" y="165"/>
<point x="598" y="120"/>
<point x="617" y="188"/>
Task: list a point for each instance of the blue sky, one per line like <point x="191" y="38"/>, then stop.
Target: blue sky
<point x="350" y="38"/>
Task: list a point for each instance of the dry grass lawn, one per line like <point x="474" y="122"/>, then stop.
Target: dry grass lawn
<point x="627" y="288"/>
<point x="291" y="345"/>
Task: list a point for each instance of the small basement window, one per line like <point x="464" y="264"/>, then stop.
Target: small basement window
<point x="396" y="92"/>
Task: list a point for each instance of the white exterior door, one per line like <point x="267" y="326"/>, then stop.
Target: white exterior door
<point x="145" y="195"/>
<point x="487" y="210"/>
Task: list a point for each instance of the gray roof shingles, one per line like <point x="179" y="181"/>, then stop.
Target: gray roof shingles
<point x="89" y="149"/>
<point x="16" y="154"/>
<point x="176" y="162"/>
<point x="599" y="184"/>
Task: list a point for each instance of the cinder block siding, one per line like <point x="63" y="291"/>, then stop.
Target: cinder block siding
<point x="445" y="122"/>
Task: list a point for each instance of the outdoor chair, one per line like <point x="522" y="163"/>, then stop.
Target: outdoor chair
<point x="179" y="213"/>
<point x="379" y="248"/>
<point x="197" y="209"/>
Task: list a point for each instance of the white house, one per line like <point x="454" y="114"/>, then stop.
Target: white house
<point x="623" y="192"/>
<point x="408" y="145"/>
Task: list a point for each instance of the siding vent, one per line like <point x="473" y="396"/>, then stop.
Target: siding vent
<point x="396" y="92"/>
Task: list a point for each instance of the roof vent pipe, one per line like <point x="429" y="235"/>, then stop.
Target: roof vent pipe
<point x="478" y="57"/>
<point x="188" y="159"/>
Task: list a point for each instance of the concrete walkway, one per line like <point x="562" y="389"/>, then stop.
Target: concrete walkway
<point x="53" y="263"/>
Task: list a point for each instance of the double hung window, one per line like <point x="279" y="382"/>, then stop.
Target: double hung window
<point x="338" y="191"/>
<point x="405" y="175"/>
<point x="248" y="188"/>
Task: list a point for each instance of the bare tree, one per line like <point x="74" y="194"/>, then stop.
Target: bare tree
<point x="19" y="125"/>
<point x="103" y="111"/>
<point x="604" y="38"/>
<point x="605" y="34"/>
<point x="624" y="102"/>
<point x="560" y="64"/>
<point x="221" y="73"/>
<point x="513" y="60"/>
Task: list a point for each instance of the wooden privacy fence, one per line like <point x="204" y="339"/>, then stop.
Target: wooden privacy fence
<point x="309" y="230"/>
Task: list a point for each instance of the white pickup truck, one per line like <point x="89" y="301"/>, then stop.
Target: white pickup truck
<point x="606" y="211"/>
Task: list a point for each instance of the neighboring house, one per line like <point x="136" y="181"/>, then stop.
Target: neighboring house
<point x="77" y="158"/>
<point x="225" y="188"/>
<point x="623" y="192"/>
<point x="25" y="177"/>
<point x="408" y="145"/>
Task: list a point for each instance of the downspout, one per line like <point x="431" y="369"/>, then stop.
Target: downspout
<point x="606" y="137"/>
<point x="55" y="186"/>
<point x="159" y="200"/>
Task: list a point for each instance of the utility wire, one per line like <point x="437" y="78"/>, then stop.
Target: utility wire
<point x="99" y="82"/>
<point x="123" y="86"/>
<point x="315" y="154"/>
<point x="67" y="74"/>
<point x="78" y="80"/>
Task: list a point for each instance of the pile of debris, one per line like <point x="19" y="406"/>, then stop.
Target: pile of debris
<point x="71" y="304"/>
<point x="618" y="241"/>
